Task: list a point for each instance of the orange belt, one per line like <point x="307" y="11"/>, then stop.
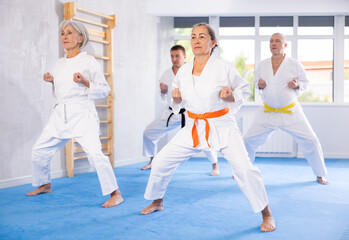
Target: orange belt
<point x="204" y="116"/>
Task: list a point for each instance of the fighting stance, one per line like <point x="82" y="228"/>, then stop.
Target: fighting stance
<point x="211" y="90"/>
<point x="77" y="80"/>
<point x="167" y="121"/>
<point x="280" y="79"/>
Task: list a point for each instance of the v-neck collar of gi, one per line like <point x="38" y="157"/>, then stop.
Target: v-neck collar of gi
<point x="281" y="66"/>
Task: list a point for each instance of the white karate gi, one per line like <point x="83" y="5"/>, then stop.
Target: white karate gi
<point x="158" y="127"/>
<point x="224" y="135"/>
<point x="74" y="116"/>
<point x="278" y="95"/>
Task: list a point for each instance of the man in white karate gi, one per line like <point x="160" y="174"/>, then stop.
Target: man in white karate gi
<point x="280" y="79"/>
<point x="167" y="121"/>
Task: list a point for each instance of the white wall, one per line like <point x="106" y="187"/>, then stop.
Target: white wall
<point x="246" y="7"/>
<point x="30" y="46"/>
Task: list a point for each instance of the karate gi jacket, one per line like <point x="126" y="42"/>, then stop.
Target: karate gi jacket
<point x="204" y="97"/>
<point x="74" y="101"/>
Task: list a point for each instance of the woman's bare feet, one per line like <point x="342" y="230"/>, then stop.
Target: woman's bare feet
<point x="215" y="169"/>
<point x="322" y="180"/>
<point x="268" y="223"/>
<point x="148" y="166"/>
<point x="46" y="188"/>
<point x="115" y="199"/>
<point x="156" y="205"/>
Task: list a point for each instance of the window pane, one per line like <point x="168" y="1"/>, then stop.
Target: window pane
<point x="187" y="46"/>
<point x="315" y="25"/>
<point x="188" y="22"/>
<point x="346" y="70"/>
<point x="265" y="50"/>
<point x="346" y="28"/>
<point x="271" y="30"/>
<point x="315" y="30"/>
<point x="182" y="31"/>
<point x="242" y="54"/>
<point x="271" y="25"/>
<point x="236" y="26"/>
<point x="226" y="31"/>
<point x="316" y="56"/>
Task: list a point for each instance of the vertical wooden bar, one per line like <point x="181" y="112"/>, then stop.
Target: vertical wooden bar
<point x="69" y="10"/>
<point x="69" y="157"/>
<point x="109" y="53"/>
<point x="69" y="13"/>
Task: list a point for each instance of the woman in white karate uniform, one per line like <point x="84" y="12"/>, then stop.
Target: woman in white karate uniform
<point x="77" y="80"/>
<point x="211" y="90"/>
<point x="167" y="121"/>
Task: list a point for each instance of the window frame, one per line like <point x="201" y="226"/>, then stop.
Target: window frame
<point x="338" y="53"/>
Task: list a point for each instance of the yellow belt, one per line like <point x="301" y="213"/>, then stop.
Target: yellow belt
<point x="268" y="109"/>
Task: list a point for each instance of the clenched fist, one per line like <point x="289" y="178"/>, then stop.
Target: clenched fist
<point x="176" y="95"/>
<point x="261" y="84"/>
<point x="48" y="77"/>
<point x="227" y="94"/>
<point x="78" y="78"/>
<point x="293" y="84"/>
<point x="163" y="88"/>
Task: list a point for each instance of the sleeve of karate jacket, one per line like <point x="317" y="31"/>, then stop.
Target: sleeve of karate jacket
<point x="99" y="87"/>
<point x="162" y="80"/>
<point x="302" y="79"/>
<point x="176" y="107"/>
<point x="240" y="87"/>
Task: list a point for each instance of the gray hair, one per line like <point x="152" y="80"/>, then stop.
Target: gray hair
<point x="282" y="36"/>
<point x="79" y="28"/>
<point x="210" y="30"/>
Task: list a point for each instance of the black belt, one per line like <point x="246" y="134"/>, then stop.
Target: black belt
<point x="182" y="111"/>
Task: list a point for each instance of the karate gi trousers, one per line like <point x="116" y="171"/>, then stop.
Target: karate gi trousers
<point x="47" y="145"/>
<point x="295" y="124"/>
<point x="246" y="175"/>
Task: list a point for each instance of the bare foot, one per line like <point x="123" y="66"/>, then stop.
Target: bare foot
<point x="268" y="223"/>
<point x="46" y="188"/>
<point x="215" y="170"/>
<point x="148" y="166"/>
<point x="156" y="205"/>
<point x="322" y="180"/>
<point x="115" y="199"/>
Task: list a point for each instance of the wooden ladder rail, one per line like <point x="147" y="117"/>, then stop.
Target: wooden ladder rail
<point x="70" y="10"/>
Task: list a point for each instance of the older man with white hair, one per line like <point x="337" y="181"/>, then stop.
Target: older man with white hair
<point x="280" y="79"/>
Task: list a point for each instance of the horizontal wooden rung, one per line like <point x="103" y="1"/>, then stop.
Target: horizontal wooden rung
<point x="94" y="13"/>
<point x="100" y="57"/>
<point x="105" y="121"/>
<point x="80" y="157"/>
<point x="107" y="74"/>
<point x="78" y="149"/>
<point x="100" y="138"/>
<point x="90" y="22"/>
<point x="98" y="40"/>
<point x="96" y="33"/>
<point x="105" y="138"/>
<point x="103" y="106"/>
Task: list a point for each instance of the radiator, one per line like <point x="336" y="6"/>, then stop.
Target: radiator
<point x="279" y="142"/>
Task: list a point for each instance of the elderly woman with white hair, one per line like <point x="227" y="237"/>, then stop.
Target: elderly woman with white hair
<point x="77" y="80"/>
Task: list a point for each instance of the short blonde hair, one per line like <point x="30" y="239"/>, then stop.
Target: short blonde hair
<point x="79" y="28"/>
